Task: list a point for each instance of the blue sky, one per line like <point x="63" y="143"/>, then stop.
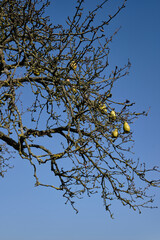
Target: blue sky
<point x="39" y="213"/>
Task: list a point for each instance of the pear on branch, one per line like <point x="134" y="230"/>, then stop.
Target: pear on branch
<point x="68" y="81"/>
<point x="73" y="65"/>
<point x="115" y="133"/>
<point x="74" y="90"/>
<point x="36" y="72"/>
<point x="103" y="108"/>
<point x="112" y="115"/>
<point x="126" y="127"/>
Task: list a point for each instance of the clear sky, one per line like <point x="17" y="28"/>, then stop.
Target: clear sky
<point x="39" y="213"/>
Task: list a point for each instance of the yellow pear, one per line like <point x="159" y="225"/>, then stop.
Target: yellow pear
<point x="74" y="90"/>
<point x="113" y="115"/>
<point x="126" y="127"/>
<point x="115" y="133"/>
<point x="73" y="65"/>
<point x="36" y="72"/>
<point x="103" y="108"/>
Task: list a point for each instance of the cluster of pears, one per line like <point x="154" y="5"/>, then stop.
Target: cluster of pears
<point x="126" y="126"/>
<point x="37" y="71"/>
<point x="103" y="108"/>
<point x="112" y="117"/>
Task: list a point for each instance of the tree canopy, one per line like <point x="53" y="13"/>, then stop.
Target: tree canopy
<point x="64" y="71"/>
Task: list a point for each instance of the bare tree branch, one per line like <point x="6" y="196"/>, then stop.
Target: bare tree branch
<point x="70" y="102"/>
